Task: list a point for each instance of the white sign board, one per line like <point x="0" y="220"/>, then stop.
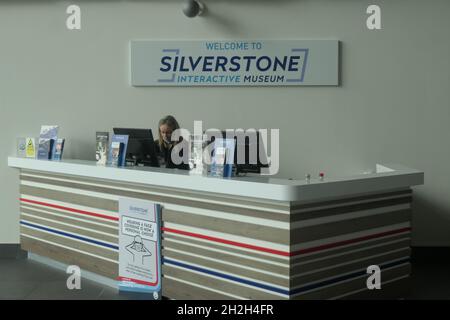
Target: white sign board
<point x="139" y="246"/>
<point x="234" y="63"/>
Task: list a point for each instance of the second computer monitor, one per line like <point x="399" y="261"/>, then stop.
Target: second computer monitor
<point x="250" y="152"/>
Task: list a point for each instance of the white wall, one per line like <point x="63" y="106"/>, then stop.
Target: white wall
<point x="393" y="104"/>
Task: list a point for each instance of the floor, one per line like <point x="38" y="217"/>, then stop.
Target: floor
<point x="430" y="273"/>
<point x="27" y="279"/>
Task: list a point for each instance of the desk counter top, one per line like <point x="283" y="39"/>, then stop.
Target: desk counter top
<point x="263" y="187"/>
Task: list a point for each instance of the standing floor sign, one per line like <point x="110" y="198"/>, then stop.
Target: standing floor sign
<point x="234" y="63"/>
<point x="140" y="246"/>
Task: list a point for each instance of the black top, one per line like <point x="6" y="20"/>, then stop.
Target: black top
<point x="164" y="152"/>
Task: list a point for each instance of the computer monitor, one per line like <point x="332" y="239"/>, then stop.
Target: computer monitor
<point x="249" y="150"/>
<point x="141" y="148"/>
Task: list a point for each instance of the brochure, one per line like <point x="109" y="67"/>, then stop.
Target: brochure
<point x="102" y="142"/>
<point x="21" y="147"/>
<point x="30" y="151"/>
<point x="119" y="151"/>
<point x="223" y="158"/>
<point x="47" y="138"/>
<point x="58" y="149"/>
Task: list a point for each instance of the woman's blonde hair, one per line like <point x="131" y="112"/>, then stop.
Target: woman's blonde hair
<point x="169" y="121"/>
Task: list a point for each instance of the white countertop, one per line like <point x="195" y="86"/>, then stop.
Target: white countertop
<point x="386" y="177"/>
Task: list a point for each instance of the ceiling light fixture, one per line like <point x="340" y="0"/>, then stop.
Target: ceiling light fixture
<point x="193" y="8"/>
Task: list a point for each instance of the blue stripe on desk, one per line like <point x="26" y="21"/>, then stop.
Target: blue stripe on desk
<point x="344" y="277"/>
<point x="70" y="235"/>
<point x="225" y="276"/>
<point x="278" y="290"/>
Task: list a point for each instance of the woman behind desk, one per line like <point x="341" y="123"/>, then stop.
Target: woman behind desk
<point x="164" y="144"/>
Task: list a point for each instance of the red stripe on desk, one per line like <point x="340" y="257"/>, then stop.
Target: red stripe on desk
<point x="350" y="241"/>
<point x="69" y="209"/>
<point x="284" y="253"/>
<point x="233" y="243"/>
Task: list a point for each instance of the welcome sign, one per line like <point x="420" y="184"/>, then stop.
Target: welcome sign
<point x="234" y="63"/>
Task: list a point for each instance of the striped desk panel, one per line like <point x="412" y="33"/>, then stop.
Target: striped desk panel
<point x="219" y="247"/>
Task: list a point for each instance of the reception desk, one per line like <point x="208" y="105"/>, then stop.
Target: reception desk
<point x="238" y="238"/>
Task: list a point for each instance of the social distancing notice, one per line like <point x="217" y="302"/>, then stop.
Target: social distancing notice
<point x="139" y="246"/>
